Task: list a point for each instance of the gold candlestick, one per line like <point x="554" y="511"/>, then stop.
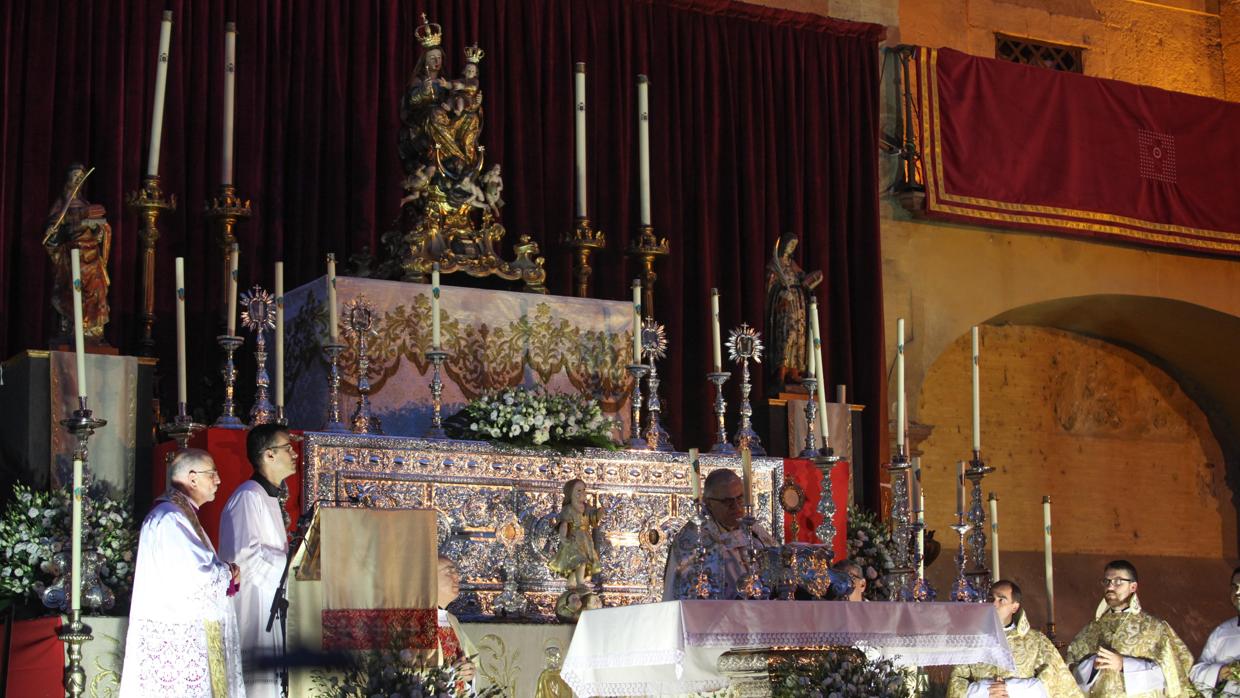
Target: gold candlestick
<point x="148" y="202"/>
<point x="225" y="210"/>
<point x="583" y="240"/>
<point x="647" y="248"/>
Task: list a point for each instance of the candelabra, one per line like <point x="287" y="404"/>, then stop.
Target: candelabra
<point x="258" y="317"/>
<point x="437" y="358"/>
<point x="225" y="210"/>
<point x="811" y="417"/>
<point x="334" y="423"/>
<point x="583" y="240"/>
<point x="148" y="202"/>
<point x="82" y="425"/>
<point x="898" y="470"/>
<point x="751" y="584"/>
<point x="360" y="323"/>
<point x="825" y="462"/>
<point x="229" y="420"/>
<point x="700" y="584"/>
<point x="722" y="445"/>
<point x="962" y="589"/>
<point x="979" y="573"/>
<point x="647" y="248"/>
<point x="654" y="347"/>
<point x="744" y="344"/>
<point x="636" y="440"/>
<point x="183" y="427"/>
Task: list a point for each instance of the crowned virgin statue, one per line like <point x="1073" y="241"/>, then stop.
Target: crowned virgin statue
<point x="450" y="209"/>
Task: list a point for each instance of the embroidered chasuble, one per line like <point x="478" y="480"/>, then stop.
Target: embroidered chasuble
<point x="725" y="556"/>
<point x="253" y="536"/>
<point x="1221" y="651"/>
<point x="182" y="639"/>
<point x="1156" y="661"/>
<point x="1040" y="671"/>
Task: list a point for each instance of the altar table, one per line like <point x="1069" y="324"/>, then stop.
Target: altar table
<point x="673" y="647"/>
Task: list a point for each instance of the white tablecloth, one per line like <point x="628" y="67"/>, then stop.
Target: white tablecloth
<point x="673" y="647"/>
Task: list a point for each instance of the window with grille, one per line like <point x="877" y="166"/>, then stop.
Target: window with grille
<point x="1053" y="56"/>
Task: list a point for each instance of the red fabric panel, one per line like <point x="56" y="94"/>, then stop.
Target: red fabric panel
<point x="36" y="659"/>
<point x="227" y="447"/>
<point x="803" y="472"/>
<point x="371" y="628"/>
<point x="1014" y="145"/>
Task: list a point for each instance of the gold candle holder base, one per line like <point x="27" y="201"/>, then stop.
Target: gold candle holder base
<point x="224" y="211"/>
<point x="646" y="249"/>
<point x="147" y="203"/>
<point x="583" y="240"/>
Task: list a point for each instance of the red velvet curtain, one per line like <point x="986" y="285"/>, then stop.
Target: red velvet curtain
<point x="763" y="122"/>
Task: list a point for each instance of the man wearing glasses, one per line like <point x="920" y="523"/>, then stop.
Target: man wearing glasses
<point x="1217" y="673"/>
<point x="1040" y="671"/>
<point x="254" y="533"/>
<point x="1126" y="651"/>
<point x="182" y="637"/>
<point x="725" y="541"/>
<point x="857" y="575"/>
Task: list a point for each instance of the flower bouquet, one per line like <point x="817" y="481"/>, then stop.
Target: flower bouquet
<point x="534" y="418"/>
<point x="869" y="545"/>
<point x="837" y="673"/>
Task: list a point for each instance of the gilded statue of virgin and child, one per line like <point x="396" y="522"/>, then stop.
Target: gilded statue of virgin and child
<point x="450" y="209"/>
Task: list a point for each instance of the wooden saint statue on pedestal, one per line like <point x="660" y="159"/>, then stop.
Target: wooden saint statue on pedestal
<point x="75" y="223"/>
<point x="787" y="320"/>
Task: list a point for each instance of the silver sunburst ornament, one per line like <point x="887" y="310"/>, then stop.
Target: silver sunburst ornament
<point x="654" y="346"/>
<point x="360" y="322"/>
<point x="654" y="340"/>
<point x="258" y="315"/>
<point x="745" y="345"/>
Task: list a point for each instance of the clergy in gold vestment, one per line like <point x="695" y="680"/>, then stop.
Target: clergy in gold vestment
<point x="1040" y="671"/>
<point x="1125" y="651"/>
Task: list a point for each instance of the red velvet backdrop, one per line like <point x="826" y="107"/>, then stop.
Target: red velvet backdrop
<point x="763" y="122"/>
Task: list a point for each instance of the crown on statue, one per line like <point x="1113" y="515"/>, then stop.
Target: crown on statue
<point x="428" y="33"/>
<point x="473" y="54"/>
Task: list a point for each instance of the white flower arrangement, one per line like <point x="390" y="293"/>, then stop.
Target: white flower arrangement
<point x="36" y="526"/>
<point x="838" y="673"/>
<point x="537" y="418"/>
<point x="869" y="545"/>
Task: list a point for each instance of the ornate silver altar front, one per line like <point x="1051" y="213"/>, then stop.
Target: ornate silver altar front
<point x="497" y="509"/>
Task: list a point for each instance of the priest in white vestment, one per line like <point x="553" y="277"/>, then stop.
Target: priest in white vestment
<point x="254" y="534"/>
<point x="1217" y="672"/>
<point x="182" y="639"/>
<point x="725" y="540"/>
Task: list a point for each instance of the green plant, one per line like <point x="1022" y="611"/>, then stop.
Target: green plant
<point x="837" y="673"/>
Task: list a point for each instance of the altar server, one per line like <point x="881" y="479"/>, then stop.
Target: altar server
<point x="1126" y="651"/>
<point x="182" y="639"/>
<point x="1040" y="671"/>
<point x="254" y="534"/>
<point x="1217" y="672"/>
<point x="725" y="540"/>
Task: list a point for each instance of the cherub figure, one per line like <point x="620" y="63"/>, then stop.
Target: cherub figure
<point x="492" y="187"/>
<point x="577" y="559"/>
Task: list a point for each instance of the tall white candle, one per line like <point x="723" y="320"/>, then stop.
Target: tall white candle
<point x="234" y="258"/>
<point x="994" y="537"/>
<point x="161" y="84"/>
<point x="816" y="340"/>
<point x="899" y="382"/>
<point x="182" y="392"/>
<point x="695" y="474"/>
<point x="79" y="328"/>
<point x="579" y="131"/>
<point x="435" y="306"/>
<point x="643" y="145"/>
<point x="230" y="99"/>
<point x="960" y="487"/>
<point x="332" y="319"/>
<point x="716" y="345"/>
<point x="1050" y="571"/>
<point x="75" y="594"/>
<point x="977" y="410"/>
<point x="747" y="471"/>
<point x="279" y="334"/>
<point x="637" y="321"/>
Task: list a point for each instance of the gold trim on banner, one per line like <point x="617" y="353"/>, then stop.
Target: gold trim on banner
<point x="937" y="195"/>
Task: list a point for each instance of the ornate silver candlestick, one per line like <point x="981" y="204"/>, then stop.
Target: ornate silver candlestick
<point x="333" y="423"/>
<point x="258" y="316"/>
<point x="229" y="420"/>
<point x="811" y="418"/>
<point x="979" y="573"/>
<point x="751" y="585"/>
<point x="900" y="585"/>
<point x="745" y="343"/>
<point x="436" y="358"/>
<point x="654" y="347"/>
<point x="962" y="590"/>
<point x="721" y="434"/>
<point x="825" y="462"/>
<point x="360" y="322"/>
<point x="921" y="589"/>
<point x="636" y="440"/>
<point x="182" y="428"/>
<point x="701" y="584"/>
